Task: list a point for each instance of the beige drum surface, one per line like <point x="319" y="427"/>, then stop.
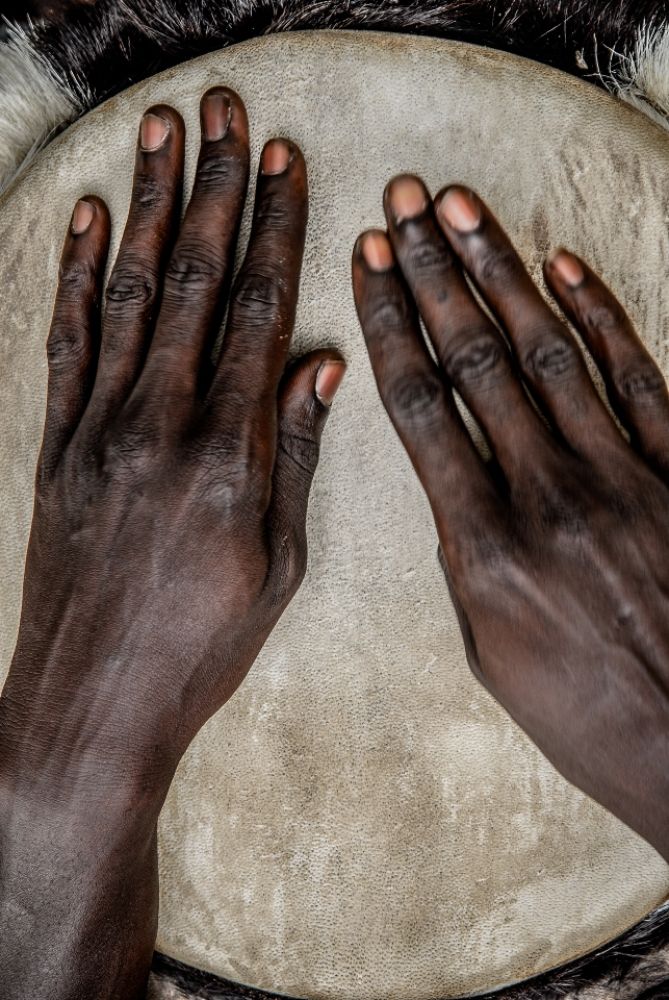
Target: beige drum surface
<point x="361" y="820"/>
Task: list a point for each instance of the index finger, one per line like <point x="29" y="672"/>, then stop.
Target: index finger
<point x="419" y="403"/>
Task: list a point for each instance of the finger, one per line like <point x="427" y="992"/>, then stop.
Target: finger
<point x="200" y="267"/>
<point x="72" y="344"/>
<point x="472" y="352"/>
<point x="305" y="397"/>
<point x="636" y="387"/>
<point x="264" y="298"/>
<point x="133" y="291"/>
<point x="549" y="358"/>
<point x="421" y="407"/>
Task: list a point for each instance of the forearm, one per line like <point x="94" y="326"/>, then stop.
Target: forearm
<point x="78" y="875"/>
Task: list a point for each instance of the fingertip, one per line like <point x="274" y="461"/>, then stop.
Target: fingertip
<point x="223" y="114"/>
<point x="460" y="209"/>
<point x="279" y="155"/>
<point x="374" y="250"/>
<point x="564" y="269"/>
<point x="161" y="127"/>
<point x="90" y="220"/>
<point x="329" y="378"/>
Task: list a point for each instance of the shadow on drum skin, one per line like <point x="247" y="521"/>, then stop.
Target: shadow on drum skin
<point x="634" y="966"/>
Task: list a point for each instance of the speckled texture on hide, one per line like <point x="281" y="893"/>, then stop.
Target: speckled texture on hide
<point x="362" y="820"/>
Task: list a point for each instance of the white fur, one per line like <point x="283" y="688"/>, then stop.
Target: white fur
<point x="33" y="104"/>
<point x="642" y="78"/>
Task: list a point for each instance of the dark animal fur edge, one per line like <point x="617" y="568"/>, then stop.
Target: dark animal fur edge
<point x="103" y="48"/>
<point x="635" y="966"/>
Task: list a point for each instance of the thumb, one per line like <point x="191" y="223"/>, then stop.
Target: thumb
<point x="305" y="397"/>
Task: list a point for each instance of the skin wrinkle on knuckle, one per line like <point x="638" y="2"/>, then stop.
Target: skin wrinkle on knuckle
<point x="428" y="256"/>
<point x="496" y="265"/>
<point x="603" y="316"/>
<point x="150" y="192"/>
<point x="387" y="314"/>
<point x="192" y="271"/>
<point x="415" y="400"/>
<point x="131" y="285"/>
<point x="476" y="356"/>
<point x="221" y="171"/>
<point x="66" y="346"/>
<point x="75" y="279"/>
<point x="259" y="298"/>
<point x="551" y="358"/>
<point x="641" y="383"/>
<point x="303" y="451"/>
<point x="275" y="213"/>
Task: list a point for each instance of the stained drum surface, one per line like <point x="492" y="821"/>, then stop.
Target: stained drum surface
<point x="361" y="820"/>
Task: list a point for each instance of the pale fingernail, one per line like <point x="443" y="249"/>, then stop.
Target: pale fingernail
<point x="407" y="198"/>
<point x="153" y="132"/>
<point x="567" y="267"/>
<point x="377" y="251"/>
<point x="82" y="217"/>
<point x="461" y="210"/>
<point x="328" y="380"/>
<point x="216" y="116"/>
<point x="275" y="157"/>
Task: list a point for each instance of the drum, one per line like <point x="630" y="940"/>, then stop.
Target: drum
<point x="362" y="820"/>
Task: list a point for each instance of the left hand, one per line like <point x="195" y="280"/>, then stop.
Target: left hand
<point x="556" y="551"/>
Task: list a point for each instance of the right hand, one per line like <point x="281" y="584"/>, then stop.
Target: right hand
<point x="557" y="550"/>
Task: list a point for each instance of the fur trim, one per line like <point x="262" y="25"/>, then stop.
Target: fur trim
<point x="643" y="76"/>
<point x="62" y="67"/>
<point x="34" y="103"/>
<point x="633" y="967"/>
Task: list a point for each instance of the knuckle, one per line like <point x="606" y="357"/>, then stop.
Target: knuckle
<point x="274" y="212"/>
<point x="66" y="346"/>
<point x="429" y="256"/>
<point x="477" y="356"/>
<point x="192" y="271"/>
<point x="415" y="399"/>
<point x="130" y="285"/>
<point x="603" y="316"/>
<point x="258" y="299"/>
<point x="75" y="278"/>
<point x="303" y="451"/>
<point x="387" y="315"/>
<point x="219" y="171"/>
<point x="497" y="265"/>
<point x="228" y="470"/>
<point x="129" y="450"/>
<point x="641" y="382"/>
<point x="551" y="358"/>
<point x="150" y="192"/>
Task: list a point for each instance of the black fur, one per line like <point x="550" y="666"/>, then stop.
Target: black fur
<point x="103" y="48"/>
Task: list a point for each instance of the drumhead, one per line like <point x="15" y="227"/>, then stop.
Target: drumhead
<point x="362" y="820"/>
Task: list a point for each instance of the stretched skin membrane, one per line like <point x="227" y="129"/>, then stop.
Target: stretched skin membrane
<point x="362" y="820"/>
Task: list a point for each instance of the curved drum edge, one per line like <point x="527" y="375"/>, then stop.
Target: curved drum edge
<point x="635" y="964"/>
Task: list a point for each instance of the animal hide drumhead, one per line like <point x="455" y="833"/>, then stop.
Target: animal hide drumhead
<point x="362" y="820"/>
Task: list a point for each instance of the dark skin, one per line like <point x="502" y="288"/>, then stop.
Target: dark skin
<point x="168" y="537"/>
<point x="169" y="525"/>
<point x="556" y="551"/>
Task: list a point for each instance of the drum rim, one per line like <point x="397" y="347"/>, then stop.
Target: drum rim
<point x="611" y="962"/>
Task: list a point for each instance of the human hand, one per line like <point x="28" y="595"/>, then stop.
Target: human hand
<point x="168" y="536"/>
<point x="556" y="551"/>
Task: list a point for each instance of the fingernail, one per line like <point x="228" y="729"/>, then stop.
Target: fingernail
<point x="153" y="133"/>
<point x="377" y="251"/>
<point x="275" y="157"/>
<point x="82" y="217"/>
<point x="568" y="268"/>
<point x="407" y="198"/>
<point x="329" y="378"/>
<point x="216" y="116"/>
<point x="461" y="210"/>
